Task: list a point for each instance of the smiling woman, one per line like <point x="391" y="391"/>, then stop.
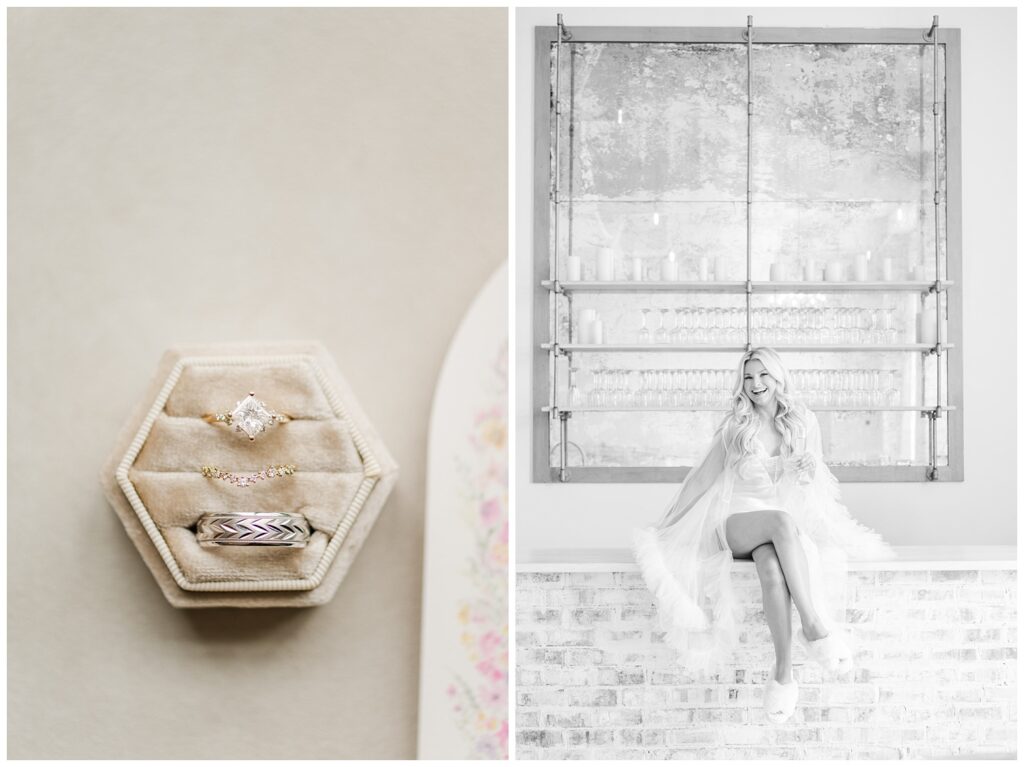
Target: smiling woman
<point x="762" y="492"/>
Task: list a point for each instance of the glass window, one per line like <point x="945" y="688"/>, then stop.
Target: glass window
<point x="699" y="195"/>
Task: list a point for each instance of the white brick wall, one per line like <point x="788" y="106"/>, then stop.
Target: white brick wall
<point x="935" y="673"/>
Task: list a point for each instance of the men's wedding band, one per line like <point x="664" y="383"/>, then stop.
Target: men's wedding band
<point x="256" y="528"/>
<point x="250" y="416"/>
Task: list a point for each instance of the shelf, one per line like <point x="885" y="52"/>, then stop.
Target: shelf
<point x="822" y="409"/>
<point x="596" y="348"/>
<point x="757" y="286"/>
<point x="594" y="286"/>
<point x="660" y="201"/>
<point x="914" y="286"/>
<point x="646" y="348"/>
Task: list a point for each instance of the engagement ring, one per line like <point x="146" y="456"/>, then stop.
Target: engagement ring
<point x="250" y="416"/>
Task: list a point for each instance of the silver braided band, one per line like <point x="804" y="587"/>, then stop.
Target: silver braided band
<point x="255" y="528"/>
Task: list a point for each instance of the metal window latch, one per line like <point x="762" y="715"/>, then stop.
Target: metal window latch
<point x="563" y="451"/>
<point x="933" y="420"/>
<point x="563" y="33"/>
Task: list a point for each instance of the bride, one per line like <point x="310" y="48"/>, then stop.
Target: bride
<point x="763" y="492"/>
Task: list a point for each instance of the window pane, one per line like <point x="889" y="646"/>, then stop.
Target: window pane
<point x="715" y="231"/>
<point x="669" y="318"/>
<point x="659" y="122"/>
<point x="848" y="319"/>
<point x="613" y="440"/>
<point x="843" y="158"/>
<point x="810" y="235"/>
<point x="843" y="122"/>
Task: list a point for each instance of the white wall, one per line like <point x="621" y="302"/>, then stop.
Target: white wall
<point x="979" y="510"/>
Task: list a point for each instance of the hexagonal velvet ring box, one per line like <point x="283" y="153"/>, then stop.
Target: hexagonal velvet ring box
<point x="155" y="480"/>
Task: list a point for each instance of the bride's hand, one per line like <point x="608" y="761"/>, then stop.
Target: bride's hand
<point x="805" y="465"/>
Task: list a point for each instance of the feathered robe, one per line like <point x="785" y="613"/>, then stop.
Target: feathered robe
<point x="687" y="564"/>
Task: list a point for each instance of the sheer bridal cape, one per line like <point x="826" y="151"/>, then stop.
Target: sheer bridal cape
<point x="687" y="565"/>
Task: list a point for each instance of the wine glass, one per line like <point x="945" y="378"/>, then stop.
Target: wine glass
<point x="664" y="388"/>
<point x="649" y="393"/>
<point x="656" y="326"/>
<point x="661" y="335"/>
<point x="676" y="336"/>
<point x="644" y="335"/>
<point x="575" y="393"/>
<point x="679" y="388"/>
<point x="597" y="394"/>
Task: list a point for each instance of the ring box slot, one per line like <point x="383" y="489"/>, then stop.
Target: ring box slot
<point x="179" y="499"/>
<point x="187" y="444"/>
<point x="286" y="388"/>
<point x="244" y="562"/>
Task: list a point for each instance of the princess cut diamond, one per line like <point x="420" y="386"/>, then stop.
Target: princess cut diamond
<point x="251" y="416"/>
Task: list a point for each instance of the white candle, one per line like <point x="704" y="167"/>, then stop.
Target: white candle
<point x="887" y="269"/>
<point x="777" y="272"/>
<point x="605" y="265"/>
<point x="586" y="326"/>
<point x="860" y="268"/>
<point x="811" y="271"/>
<point x="834" y="272"/>
<point x="573" y="269"/>
<point x="670" y="267"/>
<point x="926" y="328"/>
<point x="638" y="270"/>
<point x="702" y="268"/>
<point x="597" y="332"/>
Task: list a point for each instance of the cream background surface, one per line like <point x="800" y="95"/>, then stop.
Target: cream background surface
<point x="187" y="176"/>
<point x="981" y="510"/>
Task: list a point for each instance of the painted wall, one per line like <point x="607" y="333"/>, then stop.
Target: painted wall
<point x="980" y="510"/>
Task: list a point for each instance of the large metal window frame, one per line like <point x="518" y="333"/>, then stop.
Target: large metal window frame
<point x="543" y="326"/>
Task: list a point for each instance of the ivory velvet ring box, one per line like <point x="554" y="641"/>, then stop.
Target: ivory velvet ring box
<point x="155" y="481"/>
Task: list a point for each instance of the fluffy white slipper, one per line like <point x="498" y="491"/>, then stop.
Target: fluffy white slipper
<point x="830" y="652"/>
<point x="779" y="699"/>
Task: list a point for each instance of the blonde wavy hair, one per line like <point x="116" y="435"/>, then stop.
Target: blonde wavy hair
<point x="742" y="424"/>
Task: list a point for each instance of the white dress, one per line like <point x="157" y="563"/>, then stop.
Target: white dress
<point x="687" y="564"/>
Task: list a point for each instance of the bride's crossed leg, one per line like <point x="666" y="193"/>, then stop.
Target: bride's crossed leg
<point x="771" y="539"/>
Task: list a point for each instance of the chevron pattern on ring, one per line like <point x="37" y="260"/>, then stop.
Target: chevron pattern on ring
<point x="256" y="531"/>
